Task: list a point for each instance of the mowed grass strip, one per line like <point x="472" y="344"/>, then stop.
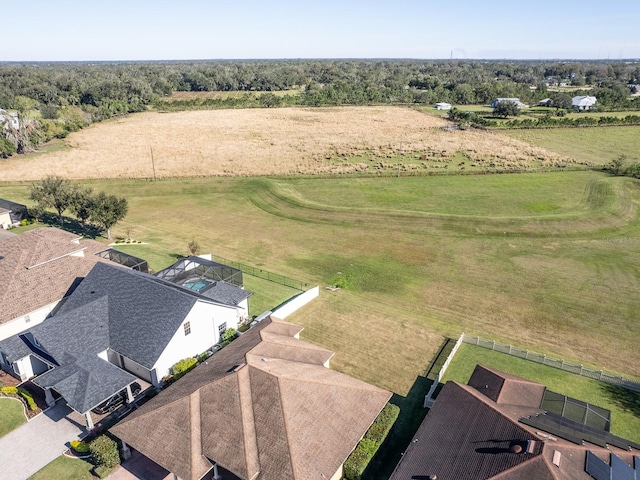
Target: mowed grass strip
<point x="552" y="268"/>
<point x="65" y="468"/>
<point x="623" y="404"/>
<point x="11" y="415"/>
<point x="596" y="145"/>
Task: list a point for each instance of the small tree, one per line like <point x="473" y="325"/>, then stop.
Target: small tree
<point x="506" y="109"/>
<point x="617" y="165"/>
<point x="129" y="231"/>
<point x="82" y="204"/>
<point x="108" y="210"/>
<point x="193" y="246"/>
<point x="53" y="192"/>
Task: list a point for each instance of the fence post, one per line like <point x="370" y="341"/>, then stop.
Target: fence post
<point x="477" y="340"/>
<point x="581" y="367"/>
<point x="600" y="374"/>
<point x="509" y="349"/>
<point x="494" y="345"/>
<point x="526" y="355"/>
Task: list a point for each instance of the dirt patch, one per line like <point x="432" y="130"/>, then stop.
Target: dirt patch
<point x="252" y="142"/>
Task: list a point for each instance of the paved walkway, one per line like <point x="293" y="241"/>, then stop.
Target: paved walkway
<point x="35" y="444"/>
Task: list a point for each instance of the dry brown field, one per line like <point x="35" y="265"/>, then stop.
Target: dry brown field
<point x="249" y="142"/>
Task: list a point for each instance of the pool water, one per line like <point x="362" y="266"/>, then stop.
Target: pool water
<point x="196" y="285"/>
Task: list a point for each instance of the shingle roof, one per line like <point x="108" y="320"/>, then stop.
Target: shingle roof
<point x="504" y="388"/>
<point x="39" y="267"/>
<point x="467" y="435"/>
<point x="132" y="313"/>
<point x="158" y="308"/>
<point x="226" y="293"/>
<point x="281" y="416"/>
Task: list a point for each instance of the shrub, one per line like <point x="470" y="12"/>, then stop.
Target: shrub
<point x="360" y="458"/>
<point x="79" y="446"/>
<point x="203" y="356"/>
<point x="383" y="423"/>
<point x="9" y="390"/>
<point x="104" y="452"/>
<point x="229" y="334"/>
<point x="27" y="398"/>
<point x="183" y="366"/>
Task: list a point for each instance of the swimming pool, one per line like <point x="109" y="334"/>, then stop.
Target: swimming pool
<point x="196" y="285"/>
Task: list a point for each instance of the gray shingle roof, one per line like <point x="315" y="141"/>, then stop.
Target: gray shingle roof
<point x="143" y="312"/>
<point x="132" y="313"/>
<point x="15" y="348"/>
<point x="226" y="293"/>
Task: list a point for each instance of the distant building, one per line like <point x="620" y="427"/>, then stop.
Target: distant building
<point x="10" y="120"/>
<point x="517" y="101"/>
<point x="583" y="102"/>
<point x="547" y="102"/>
<point x="443" y="106"/>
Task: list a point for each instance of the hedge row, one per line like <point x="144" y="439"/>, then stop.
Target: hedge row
<point x="360" y="458"/>
<point x="31" y="403"/>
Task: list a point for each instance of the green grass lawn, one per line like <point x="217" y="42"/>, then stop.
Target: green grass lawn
<point x="65" y="468"/>
<point x="596" y="145"/>
<point x="553" y="255"/>
<point x="11" y="415"/>
<point x="623" y="404"/>
<point x="266" y="294"/>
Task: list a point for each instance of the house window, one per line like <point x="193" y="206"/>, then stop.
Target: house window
<point x="187" y="328"/>
<point x="222" y="328"/>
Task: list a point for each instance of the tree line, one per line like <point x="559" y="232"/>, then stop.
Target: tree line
<point x="99" y="209"/>
<point x="54" y="99"/>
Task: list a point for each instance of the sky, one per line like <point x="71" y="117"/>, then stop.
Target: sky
<point x="112" y="30"/>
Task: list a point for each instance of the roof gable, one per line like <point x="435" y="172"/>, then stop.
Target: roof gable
<point x="505" y="388"/>
<point x="289" y="415"/>
<point x="40" y="267"/>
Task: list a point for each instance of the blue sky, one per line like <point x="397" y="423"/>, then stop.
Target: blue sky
<point x="46" y="30"/>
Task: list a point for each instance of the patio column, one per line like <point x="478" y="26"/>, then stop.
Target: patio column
<point x="125" y="452"/>
<point x="215" y="472"/>
<point x="89" y="420"/>
<point x="49" y="397"/>
<point x="129" y="394"/>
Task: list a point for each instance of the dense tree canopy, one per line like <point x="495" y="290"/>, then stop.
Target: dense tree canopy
<point x="54" y="99"/>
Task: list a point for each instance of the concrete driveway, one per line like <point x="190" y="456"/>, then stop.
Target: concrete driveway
<point x="38" y="442"/>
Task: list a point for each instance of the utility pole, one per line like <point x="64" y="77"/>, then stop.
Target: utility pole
<point x="153" y="163"/>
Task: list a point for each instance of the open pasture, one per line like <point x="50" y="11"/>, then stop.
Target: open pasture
<point x="595" y="145"/>
<point x="287" y="141"/>
<point x="548" y="262"/>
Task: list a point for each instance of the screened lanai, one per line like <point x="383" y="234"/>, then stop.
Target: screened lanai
<point x="197" y="273"/>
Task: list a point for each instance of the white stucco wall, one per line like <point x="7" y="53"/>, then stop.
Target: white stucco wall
<point x="5" y="220"/>
<point x="20" y="324"/>
<point x="292" y="305"/>
<point x="204" y="319"/>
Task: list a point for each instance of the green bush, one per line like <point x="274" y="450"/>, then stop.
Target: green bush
<point x="383" y="423"/>
<point x="203" y="356"/>
<point x="183" y="367"/>
<point x="229" y="334"/>
<point x="360" y="458"/>
<point x="79" y="446"/>
<point x="27" y="398"/>
<point x="104" y="452"/>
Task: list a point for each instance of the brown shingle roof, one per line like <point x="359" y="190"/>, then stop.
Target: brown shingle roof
<point x="466" y="435"/>
<point x="504" y="388"/>
<point x="38" y="268"/>
<point x="278" y="416"/>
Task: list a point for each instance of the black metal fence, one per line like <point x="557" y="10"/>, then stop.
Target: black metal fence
<point x="264" y="274"/>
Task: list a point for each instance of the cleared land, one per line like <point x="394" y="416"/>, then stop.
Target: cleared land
<point x="283" y="141"/>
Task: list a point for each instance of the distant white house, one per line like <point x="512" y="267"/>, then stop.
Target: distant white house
<point x="443" y="106"/>
<point x="583" y="102"/>
<point x="9" y="119"/>
<point x="517" y="101"/>
<point x="546" y="102"/>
